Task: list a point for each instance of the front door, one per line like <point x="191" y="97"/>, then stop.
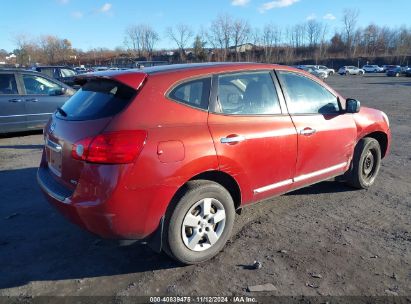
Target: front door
<point x="254" y="137"/>
<point x="12" y="109"/>
<point x="326" y="135"/>
<point x="42" y="98"/>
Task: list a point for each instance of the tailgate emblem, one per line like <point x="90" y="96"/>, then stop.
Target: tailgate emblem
<point x="52" y="127"/>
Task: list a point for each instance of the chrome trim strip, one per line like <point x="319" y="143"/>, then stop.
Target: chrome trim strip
<point x="21" y="115"/>
<point x="53" y="146"/>
<point x="54" y="195"/>
<point x="273" y="186"/>
<point x="299" y="178"/>
<point x="319" y="172"/>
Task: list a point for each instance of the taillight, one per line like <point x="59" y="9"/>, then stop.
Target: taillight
<point x="120" y="147"/>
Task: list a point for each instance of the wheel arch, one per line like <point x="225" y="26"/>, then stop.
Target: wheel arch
<point x="222" y="178"/>
<point x="225" y="180"/>
<point x="382" y="139"/>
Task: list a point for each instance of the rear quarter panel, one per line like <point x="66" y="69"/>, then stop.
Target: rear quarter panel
<point x="178" y="147"/>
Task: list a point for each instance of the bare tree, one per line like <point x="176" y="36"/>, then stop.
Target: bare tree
<point x="134" y="39"/>
<point x="151" y="37"/>
<point x="313" y="30"/>
<point x="350" y="19"/>
<point x="241" y="31"/>
<point x="52" y="48"/>
<point x="180" y="34"/>
<point x="271" y="38"/>
<point x="220" y="34"/>
<point x="298" y="35"/>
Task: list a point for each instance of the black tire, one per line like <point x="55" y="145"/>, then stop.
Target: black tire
<point x="193" y="193"/>
<point x="365" y="164"/>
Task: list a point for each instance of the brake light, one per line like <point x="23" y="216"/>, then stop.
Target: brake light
<point x="120" y="147"/>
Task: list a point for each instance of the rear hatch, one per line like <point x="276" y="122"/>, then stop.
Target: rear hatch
<point x="84" y="116"/>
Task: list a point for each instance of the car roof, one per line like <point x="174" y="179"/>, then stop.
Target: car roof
<point x="53" y="66"/>
<point x="12" y="70"/>
<point x="33" y="72"/>
<point x="126" y="76"/>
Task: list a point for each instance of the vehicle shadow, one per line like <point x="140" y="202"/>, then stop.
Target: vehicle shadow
<point x="19" y="134"/>
<point x="407" y="84"/>
<point x="38" y="244"/>
<point x="23" y="147"/>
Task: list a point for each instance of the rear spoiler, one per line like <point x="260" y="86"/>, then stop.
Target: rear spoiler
<point x="133" y="79"/>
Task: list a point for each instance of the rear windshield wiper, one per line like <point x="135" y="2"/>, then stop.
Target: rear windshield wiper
<point x="62" y="112"/>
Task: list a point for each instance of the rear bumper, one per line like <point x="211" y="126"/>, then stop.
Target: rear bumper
<point x="107" y="207"/>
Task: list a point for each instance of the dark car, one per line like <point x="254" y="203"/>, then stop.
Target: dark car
<point x="395" y="72"/>
<point x="61" y="73"/>
<point x="28" y="98"/>
<point x="408" y="72"/>
<point x="169" y="153"/>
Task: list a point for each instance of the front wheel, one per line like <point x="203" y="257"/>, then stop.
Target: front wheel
<point x="201" y="222"/>
<point x="365" y="164"/>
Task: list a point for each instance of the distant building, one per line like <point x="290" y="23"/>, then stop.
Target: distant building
<point x="11" y="57"/>
<point x="242" y="48"/>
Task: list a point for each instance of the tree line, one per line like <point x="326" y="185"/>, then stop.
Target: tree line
<point x="225" y="38"/>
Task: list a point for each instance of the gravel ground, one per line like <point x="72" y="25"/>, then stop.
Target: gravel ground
<point x="326" y="239"/>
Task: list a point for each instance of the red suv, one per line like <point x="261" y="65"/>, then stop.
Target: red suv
<point x="169" y="154"/>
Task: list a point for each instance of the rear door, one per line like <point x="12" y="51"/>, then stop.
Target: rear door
<point x="254" y="136"/>
<point x="42" y="97"/>
<point x="326" y="134"/>
<point x="12" y="109"/>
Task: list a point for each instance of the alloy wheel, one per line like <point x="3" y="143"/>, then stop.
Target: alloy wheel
<point x="203" y="224"/>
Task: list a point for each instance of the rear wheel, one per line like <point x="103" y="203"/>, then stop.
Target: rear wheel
<point x="365" y="164"/>
<point x="201" y="222"/>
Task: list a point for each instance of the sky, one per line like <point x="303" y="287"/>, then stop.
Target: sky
<point x="102" y="23"/>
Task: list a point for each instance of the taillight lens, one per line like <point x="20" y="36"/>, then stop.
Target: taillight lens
<point x="110" y="148"/>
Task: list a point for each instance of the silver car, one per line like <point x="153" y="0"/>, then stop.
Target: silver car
<point x="318" y="73"/>
<point x="350" y="70"/>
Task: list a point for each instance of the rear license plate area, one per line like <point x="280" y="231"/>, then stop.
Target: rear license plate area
<point x="54" y="157"/>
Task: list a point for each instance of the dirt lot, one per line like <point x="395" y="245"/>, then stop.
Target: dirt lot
<point x="358" y="241"/>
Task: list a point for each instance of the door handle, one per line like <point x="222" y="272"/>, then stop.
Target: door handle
<point x="15" y="100"/>
<point x="32" y="99"/>
<point x="232" y="140"/>
<point x="307" y="131"/>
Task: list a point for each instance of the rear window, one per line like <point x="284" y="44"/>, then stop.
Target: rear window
<point x="97" y="98"/>
<point x="194" y="93"/>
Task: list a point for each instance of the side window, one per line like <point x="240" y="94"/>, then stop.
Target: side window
<point x="247" y="94"/>
<point x="38" y="85"/>
<point x="195" y="93"/>
<point x="67" y="73"/>
<point x="47" y="71"/>
<point x="8" y="84"/>
<point x="306" y="96"/>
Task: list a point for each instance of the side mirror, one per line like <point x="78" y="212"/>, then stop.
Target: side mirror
<point x="352" y="105"/>
<point x="57" y="92"/>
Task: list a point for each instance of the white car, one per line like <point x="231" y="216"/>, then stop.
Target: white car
<point x="372" y="68"/>
<point x="318" y="73"/>
<point x="350" y="70"/>
<point x="325" y="69"/>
